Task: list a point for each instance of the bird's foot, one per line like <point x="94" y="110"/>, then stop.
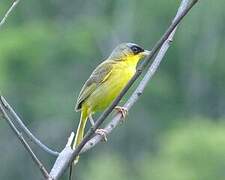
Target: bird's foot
<point x="103" y="133"/>
<point x="122" y="110"/>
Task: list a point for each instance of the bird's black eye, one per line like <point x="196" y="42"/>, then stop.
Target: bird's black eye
<point x="136" y="49"/>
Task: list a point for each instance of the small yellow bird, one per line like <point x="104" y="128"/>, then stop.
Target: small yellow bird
<point x="105" y="84"/>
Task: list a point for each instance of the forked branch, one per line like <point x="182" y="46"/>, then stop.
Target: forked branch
<point x="26" y="130"/>
<point x="22" y="140"/>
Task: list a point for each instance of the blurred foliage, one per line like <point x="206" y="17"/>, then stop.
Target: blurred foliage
<point x="194" y="151"/>
<point x="48" y="49"/>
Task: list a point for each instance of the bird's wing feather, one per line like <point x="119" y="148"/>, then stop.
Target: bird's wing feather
<point x="99" y="75"/>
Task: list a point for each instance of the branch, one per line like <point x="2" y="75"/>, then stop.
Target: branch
<point x="163" y="43"/>
<point x="8" y="12"/>
<point x="22" y="140"/>
<point x="26" y="130"/>
<point x="62" y="158"/>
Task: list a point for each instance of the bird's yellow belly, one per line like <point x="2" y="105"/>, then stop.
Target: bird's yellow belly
<point x="110" y="89"/>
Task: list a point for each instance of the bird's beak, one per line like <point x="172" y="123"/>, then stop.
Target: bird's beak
<point x="146" y="53"/>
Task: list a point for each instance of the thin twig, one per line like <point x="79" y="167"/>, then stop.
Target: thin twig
<point x="23" y="141"/>
<point x="103" y="116"/>
<point x="9" y="11"/>
<point x="26" y="130"/>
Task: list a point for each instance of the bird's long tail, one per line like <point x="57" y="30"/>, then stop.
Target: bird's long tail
<point x="80" y="129"/>
<point x="79" y="135"/>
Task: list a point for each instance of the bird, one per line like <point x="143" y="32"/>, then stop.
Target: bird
<point x="105" y="84"/>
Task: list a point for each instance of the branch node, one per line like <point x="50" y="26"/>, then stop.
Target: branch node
<point x="139" y="93"/>
<point x="170" y="40"/>
<point x="92" y="129"/>
<point x="139" y="69"/>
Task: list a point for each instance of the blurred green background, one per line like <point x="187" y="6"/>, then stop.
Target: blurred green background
<point x="176" y="131"/>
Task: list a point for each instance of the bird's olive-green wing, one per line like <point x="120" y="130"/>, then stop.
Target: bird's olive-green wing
<point x="99" y="75"/>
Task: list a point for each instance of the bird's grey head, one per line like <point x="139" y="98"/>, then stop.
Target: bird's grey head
<point x="126" y="49"/>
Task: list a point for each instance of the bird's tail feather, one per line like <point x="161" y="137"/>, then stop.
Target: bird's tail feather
<point x="80" y="130"/>
<point x="79" y="135"/>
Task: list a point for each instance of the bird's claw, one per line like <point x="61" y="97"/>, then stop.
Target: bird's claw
<point x="103" y="133"/>
<point x="122" y="110"/>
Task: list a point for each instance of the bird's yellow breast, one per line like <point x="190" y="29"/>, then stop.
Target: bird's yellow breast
<point x="121" y="73"/>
